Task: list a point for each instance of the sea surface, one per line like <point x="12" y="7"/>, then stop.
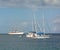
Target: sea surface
<point x="14" y="42"/>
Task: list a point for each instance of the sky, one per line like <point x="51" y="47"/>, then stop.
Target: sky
<point x="18" y="14"/>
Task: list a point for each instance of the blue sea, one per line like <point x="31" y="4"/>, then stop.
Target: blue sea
<point x="14" y="42"/>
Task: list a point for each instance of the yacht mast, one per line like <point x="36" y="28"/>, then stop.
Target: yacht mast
<point x="43" y="24"/>
<point x="34" y="23"/>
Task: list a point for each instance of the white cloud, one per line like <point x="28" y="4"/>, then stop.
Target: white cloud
<point x="56" y="27"/>
<point x="29" y="3"/>
<point x="20" y="26"/>
<point x="57" y="21"/>
<point x="53" y="2"/>
<point x="24" y="24"/>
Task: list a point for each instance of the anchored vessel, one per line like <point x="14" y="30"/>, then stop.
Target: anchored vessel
<point x="37" y="36"/>
<point x="16" y="32"/>
<point x="34" y="34"/>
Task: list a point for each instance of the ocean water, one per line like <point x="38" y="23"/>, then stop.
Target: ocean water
<point x="14" y="42"/>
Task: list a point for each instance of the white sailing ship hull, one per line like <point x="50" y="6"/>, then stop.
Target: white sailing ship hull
<point x="16" y="33"/>
<point x="42" y="37"/>
<point x="35" y="36"/>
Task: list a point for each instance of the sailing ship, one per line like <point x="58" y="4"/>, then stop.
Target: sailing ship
<point x="15" y="31"/>
<point x="34" y="34"/>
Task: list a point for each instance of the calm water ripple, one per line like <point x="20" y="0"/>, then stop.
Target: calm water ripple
<point x="14" y="42"/>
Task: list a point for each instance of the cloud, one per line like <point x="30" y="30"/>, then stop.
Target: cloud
<point x="56" y="27"/>
<point x="29" y="3"/>
<point x="24" y="24"/>
<point x="11" y="3"/>
<point x="20" y="26"/>
<point x="57" y="21"/>
<point x="53" y="2"/>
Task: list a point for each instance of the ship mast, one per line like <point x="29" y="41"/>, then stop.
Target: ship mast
<point x="43" y="24"/>
<point x="34" y="23"/>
